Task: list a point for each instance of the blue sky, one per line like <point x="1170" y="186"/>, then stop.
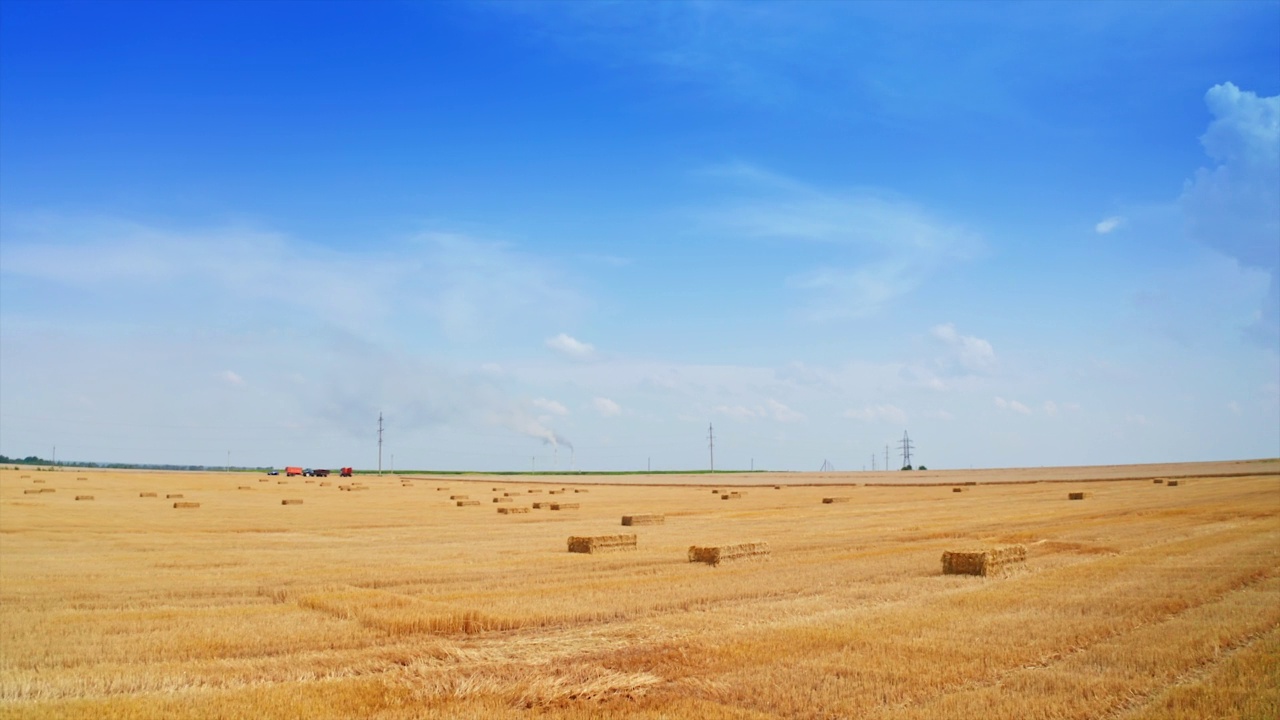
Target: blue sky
<point x="576" y="234"/>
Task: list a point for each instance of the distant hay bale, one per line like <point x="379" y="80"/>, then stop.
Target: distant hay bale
<point x="441" y="488"/>
<point x="1172" y="483"/>
<point x="832" y="500"/>
<point x="344" y="488"/>
<point x="186" y="505"/>
<point x="1077" y="495"/>
<point x="714" y="555"/>
<point x="245" y="487"/>
<point x="465" y="503"/>
<point x="540" y="505"/>
<point x="23" y="477"/>
<point x="601" y="543"/>
<point x="308" y="482"/>
<point x="777" y="487"/>
<point x="972" y="482"/>
<point x="644" y="519"/>
<point x="555" y="492"/>
<point x="534" y="492"/>
<point x="285" y="482"/>
<point x="732" y="496"/>
<point x="499" y="489"/>
<point x="957" y="489"/>
<point x="264" y="479"/>
<point x="507" y="494"/>
<point x="982" y="562"/>
<point x="291" y="502"/>
<point x="715" y="492"/>
<point x="47" y="490"/>
<point x="1158" y="481"/>
<point x="564" y="506"/>
<point x="580" y="490"/>
<point x="37" y="481"/>
<point x="173" y="496"/>
<point x="82" y="479"/>
<point x="32" y="492"/>
<point x="502" y="499"/>
<point x="512" y="510"/>
<point x="325" y="484"/>
<point x="146" y="494"/>
<point x="459" y="497"/>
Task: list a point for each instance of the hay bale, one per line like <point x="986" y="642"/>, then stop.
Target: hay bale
<point x="540" y="505"/>
<point x="186" y="505"/>
<point x="465" y="503"/>
<point x="564" y="506"/>
<point x="982" y="562"/>
<point x="601" y="543"/>
<point x="32" y="492"/>
<point x="957" y="489"/>
<point x="555" y="492"/>
<point x="777" y="487"/>
<point x="1077" y="495"/>
<point x="459" y="497"/>
<point x="499" y="489"/>
<point x="47" y="490"/>
<point x="1172" y="483"/>
<point x="146" y="494"/>
<point x="285" y="482"/>
<point x="245" y="487"/>
<point x="580" y="490"/>
<point x="512" y="510"/>
<point x="441" y="489"/>
<point x="23" y="477"/>
<point x="972" y="483"/>
<point x="37" y="481"/>
<point x="1158" y="481"/>
<point x="82" y="479"/>
<point x="715" y="492"/>
<point x="264" y="479"/>
<point x="291" y="502"/>
<point x="714" y="555"/>
<point x="502" y="499"/>
<point x="308" y="482"/>
<point x="507" y="494"/>
<point x="833" y="500"/>
<point x="644" y="519"/>
<point x="173" y="496"/>
<point x="325" y="484"/>
<point x="535" y="492"/>
<point x="84" y="497"/>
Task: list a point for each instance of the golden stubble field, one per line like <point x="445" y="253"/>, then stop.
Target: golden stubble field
<point x="1140" y="601"/>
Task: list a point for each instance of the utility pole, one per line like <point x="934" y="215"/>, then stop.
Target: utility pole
<point x="227" y="467"/>
<point x="711" y="444"/>
<point x="886" y="457"/>
<point x="379" y="443"/>
<point x="873" y="462"/>
<point x="906" y="450"/>
<point x="393" y="463"/>
<point x="533" y="464"/>
<point x="55" y="456"/>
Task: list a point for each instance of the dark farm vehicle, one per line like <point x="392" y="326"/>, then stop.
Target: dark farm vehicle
<point x="320" y="473"/>
<point x="347" y="472"/>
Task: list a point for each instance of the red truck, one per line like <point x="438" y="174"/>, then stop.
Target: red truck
<point x="347" y="472"/>
<point x="292" y="471"/>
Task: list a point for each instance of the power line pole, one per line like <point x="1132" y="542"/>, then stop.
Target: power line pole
<point x="873" y="462"/>
<point x="379" y="443"/>
<point x="711" y="444"/>
<point x="906" y="450"/>
<point x="886" y="457"/>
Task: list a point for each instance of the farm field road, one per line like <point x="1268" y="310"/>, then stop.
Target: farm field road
<point x="1143" y="600"/>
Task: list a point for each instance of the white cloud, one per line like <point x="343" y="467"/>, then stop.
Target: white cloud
<point x="1013" y="405"/>
<point x="891" y="414"/>
<point x="1050" y="408"/>
<point x="782" y="413"/>
<point x="1234" y="207"/>
<point x="607" y="407"/>
<point x="571" y="347"/>
<point x="1108" y="224"/>
<point x="231" y="378"/>
<point x="971" y="354"/>
<point x="939" y="415"/>
<point x="738" y="412"/>
<point x="551" y="406"/>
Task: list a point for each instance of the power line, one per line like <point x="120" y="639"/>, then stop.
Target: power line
<point x="711" y="445"/>
<point x="906" y="450"/>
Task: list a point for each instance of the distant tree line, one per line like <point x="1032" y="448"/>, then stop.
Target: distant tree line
<point x="33" y="460"/>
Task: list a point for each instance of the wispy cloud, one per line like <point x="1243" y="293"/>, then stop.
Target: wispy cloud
<point x="550" y="406"/>
<point x="966" y="353"/>
<point x="880" y="248"/>
<point x="1013" y="405"/>
<point x="891" y="414"/>
<point x="606" y="407"/>
<point x="1107" y="225"/>
<point x="571" y="347"/>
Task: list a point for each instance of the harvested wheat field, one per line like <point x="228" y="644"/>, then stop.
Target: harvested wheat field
<point x="1140" y="603"/>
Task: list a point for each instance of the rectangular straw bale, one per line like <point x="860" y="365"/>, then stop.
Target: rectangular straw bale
<point x="839" y="499"/>
<point x="146" y="494"/>
<point x="1077" y="495"/>
<point x="465" y="503"/>
<point x="982" y="562"/>
<point x="23" y="477"/>
<point x="777" y="487"/>
<point x="37" y="481"/>
<point x="535" y="492"/>
<point x="555" y="492"/>
<point x="540" y="505"/>
<point x="245" y="487"/>
<point x="715" y="492"/>
<point x="173" y="496"/>
<point x="512" y="510"/>
<point x="47" y="490"/>
<point x="84" y="497"/>
<point x="502" y="499"/>
<point x="37" y="491"/>
<point x="186" y="505"/>
<point x="601" y="543"/>
<point x="957" y="489"/>
<point x="441" y="488"/>
<point x="644" y="519"/>
<point x="580" y="490"/>
<point x="325" y="484"/>
<point x="972" y="482"/>
<point x="1158" y="481"/>
<point x="564" y="506"/>
<point x="308" y="482"/>
<point x="291" y="502"/>
<point x="714" y="555"/>
<point x="82" y="479"/>
<point x="498" y="489"/>
<point x="507" y="494"/>
<point x="264" y="479"/>
<point x="459" y="497"/>
<point x="1172" y="483"/>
